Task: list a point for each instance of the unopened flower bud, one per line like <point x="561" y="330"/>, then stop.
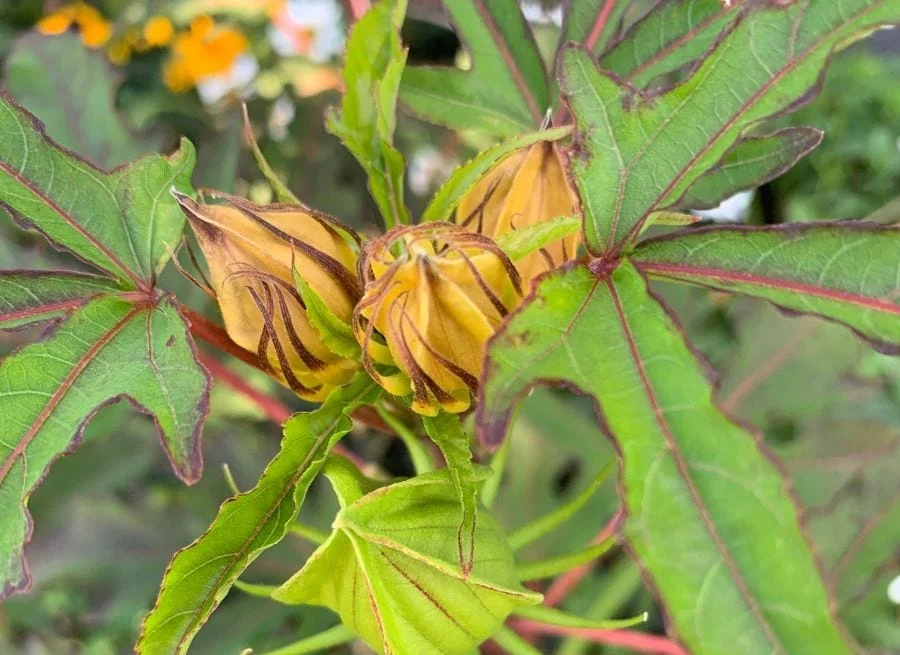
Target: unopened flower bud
<point x="252" y="252"/>
<point x="527" y="187"/>
<point x="434" y="294"/>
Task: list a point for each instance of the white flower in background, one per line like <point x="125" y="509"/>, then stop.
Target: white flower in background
<point x="311" y="28"/>
<point x="734" y="209"/>
<point x="535" y="12"/>
<point x="893" y="591"/>
<point x="236" y="80"/>
<point x="427" y="169"/>
<point x="281" y="116"/>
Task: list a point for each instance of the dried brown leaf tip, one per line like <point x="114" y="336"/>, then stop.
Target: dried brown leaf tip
<point x="252" y="252"/>
<point x="527" y="187"/>
<point x="434" y="294"/>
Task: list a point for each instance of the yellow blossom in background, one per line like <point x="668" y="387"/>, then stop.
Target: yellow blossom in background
<point x="527" y="187"/>
<point x="95" y="30"/>
<point x="252" y="252"/>
<point x="158" y="32"/>
<point x="434" y="294"/>
<point x="202" y="51"/>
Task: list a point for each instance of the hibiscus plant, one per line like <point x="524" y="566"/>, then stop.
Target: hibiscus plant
<point x="531" y="265"/>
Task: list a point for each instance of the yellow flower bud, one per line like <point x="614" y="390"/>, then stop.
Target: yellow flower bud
<point x="434" y="294"/>
<point x="252" y="252"/>
<point x="527" y="187"/>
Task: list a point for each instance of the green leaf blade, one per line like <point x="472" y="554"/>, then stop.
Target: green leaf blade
<point x="28" y="297"/>
<point x="124" y="222"/>
<point x="504" y="94"/>
<point x="846" y="272"/>
<point x="51" y="389"/>
<point x="200" y="575"/>
<point x="708" y="514"/>
<point x="638" y="153"/>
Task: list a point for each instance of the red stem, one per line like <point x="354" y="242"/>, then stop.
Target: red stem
<point x="357" y="8"/>
<point x="638" y="642"/>
<point x="599" y="25"/>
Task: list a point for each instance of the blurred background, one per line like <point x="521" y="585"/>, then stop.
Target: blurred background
<point x="115" y="79"/>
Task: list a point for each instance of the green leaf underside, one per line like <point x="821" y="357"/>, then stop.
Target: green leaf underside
<point x="390" y="570"/>
<point x="707" y="511"/>
<point x="505" y="92"/>
<point x="467" y="175"/>
<point x="106" y="350"/>
<point x="634" y="155"/>
<point x="200" y="575"/>
<point x="72" y="88"/>
<point x="583" y="19"/>
<point x="28" y="297"/>
<point x="124" y="222"/>
<point x="672" y="35"/>
<point x="374" y="61"/>
<point x="447" y="432"/>
<point x="846" y="272"/>
<point x="751" y="162"/>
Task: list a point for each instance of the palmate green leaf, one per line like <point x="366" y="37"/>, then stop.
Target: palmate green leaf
<point x="751" y="162"/>
<point x="505" y="92"/>
<point x="200" y="575"/>
<point x="125" y="222"/>
<point x="390" y="568"/>
<point x="106" y="350"/>
<point x="28" y="297"/>
<point x="846" y="272"/>
<point x="373" y="65"/>
<point x="72" y="88"/>
<point x="635" y="154"/>
<point x="447" y="432"/>
<point x="467" y="175"/>
<point x="708" y="514"/>
<point x="670" y="36"/>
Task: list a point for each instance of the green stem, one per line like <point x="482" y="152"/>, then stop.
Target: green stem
<point x="547" y="568"/>
<point x="329" y="638"/>
<point x="308" y="532"/>
<point x="418" y="451"/>
<point x="498" y="466"/>
<point x="513" y="643"/>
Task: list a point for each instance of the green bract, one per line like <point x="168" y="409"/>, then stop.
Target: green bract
<point x="391" y="570"/>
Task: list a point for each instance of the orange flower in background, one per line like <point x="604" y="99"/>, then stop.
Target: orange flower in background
<point x="203" y="51"/>
<point x="527" y="187"/>
<point x="434" y="294"/>
<point x="252" y="252"/>
<point x="158" y="32"/>
<point x="94" y="28"/>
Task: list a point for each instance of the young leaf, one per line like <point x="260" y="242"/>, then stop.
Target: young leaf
<point x="669" y="37"/>
<point x="467" y="175"/>
<point x="553" y="566"/>
<point x="635" y="154"/>
<point x="200" y="575"/>
<point x="107" y="350"/>
<point x="553" y="616"/>
<point x="28" y="297"/>
<point x="373" y="64"/>
<point x="391" y="569"/>
<point x="524" y="241"/>
<point x="124" y="222"/>
<point x="447" y="432"/>
<point x="505" y="92"/>
<point x="335" y="334"/>
<point x="751" y="162"/>
<point x="72" y="88"/>
<point x="706" y="509"/>
<point x="846" y="272"/>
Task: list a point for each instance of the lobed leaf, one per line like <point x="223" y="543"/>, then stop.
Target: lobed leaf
<point x="125" y="221"/>
<point x="106" y="350"/>
<point x="708" y="514"/>
<point x="638" y="153"/>
<point x="846" y="272"/>
<point x="672" y="35"/>
<point x="373" y="63"/>
<point x="73" y="89"/>
<point x="200" y="575"/>
<point x="391" y="570"/>
<point x="505" y="92"/>
<point x="28" y="297"/>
